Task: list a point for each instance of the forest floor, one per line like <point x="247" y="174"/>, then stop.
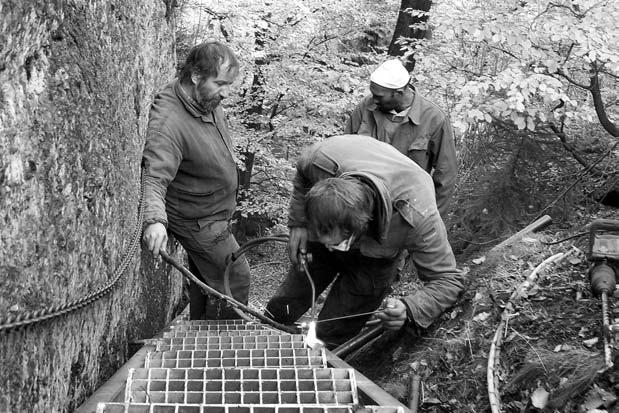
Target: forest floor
<point x="550" y="358"/>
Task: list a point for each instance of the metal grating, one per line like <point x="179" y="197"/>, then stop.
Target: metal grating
<point x="203" y="326"/>
<point x="195" y="408"/>
<point x="281" y="358"/>
<point x="242" y="386"/>
<point x="227" y="341"/>
<point x="231" y="366"/>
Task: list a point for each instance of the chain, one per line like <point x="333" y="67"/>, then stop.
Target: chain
<point x="10" y="323"/>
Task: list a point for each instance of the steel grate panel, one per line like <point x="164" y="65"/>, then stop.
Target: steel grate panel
<point x="240" y="358"/>
<point x="231" y="342"/>
<point x="208" y="333"/>
<point x="242" y="386"/>
<point x="186" y="321"/>
<point x="202" y="326"/>
<point x="205" y="408"/>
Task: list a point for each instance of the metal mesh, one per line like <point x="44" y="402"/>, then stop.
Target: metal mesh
<point x="240" y="358"/>
<point x="176" y="408"/>
<point x="229" y="341"/>
<point x="242" y="386"/>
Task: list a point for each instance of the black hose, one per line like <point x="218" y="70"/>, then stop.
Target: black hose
<point x="236" y="255"/>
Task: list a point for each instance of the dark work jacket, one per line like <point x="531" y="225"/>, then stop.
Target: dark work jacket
<point x="424" y="135"/>
<point x="406" y="215"/>
<point x="190" y="172"/>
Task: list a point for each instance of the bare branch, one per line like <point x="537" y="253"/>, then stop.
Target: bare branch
<point x="570" y="80"/>
<point x="606" y="72"/>
<point x="600" y="110"/>
<point x="563" y="138"/>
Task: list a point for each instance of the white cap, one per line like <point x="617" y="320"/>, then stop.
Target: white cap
<point x="391" y="74"/>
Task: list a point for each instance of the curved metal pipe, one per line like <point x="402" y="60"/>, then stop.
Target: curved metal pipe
<point x="229" y="299"/>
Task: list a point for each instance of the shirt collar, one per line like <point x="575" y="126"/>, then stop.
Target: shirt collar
<point x="190" y="104"/>
<point x="414" y="113"/>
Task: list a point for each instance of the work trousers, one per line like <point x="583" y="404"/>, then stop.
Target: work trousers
<point x="362" y="284"/>
<point x="208" y="244"/>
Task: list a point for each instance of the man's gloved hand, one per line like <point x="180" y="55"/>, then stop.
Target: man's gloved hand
<point x="393" y="315"/>
<point x="297" y="243"/>
<point x="155" y="238"/>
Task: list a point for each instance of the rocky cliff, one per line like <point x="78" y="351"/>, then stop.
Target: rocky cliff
<point x="77" y="78"/>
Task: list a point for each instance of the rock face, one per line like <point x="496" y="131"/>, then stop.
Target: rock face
<point x="77" y="78"/>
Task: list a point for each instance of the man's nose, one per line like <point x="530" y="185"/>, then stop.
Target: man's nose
<point x="327" y="240"/>
<point x="224" y="92"/>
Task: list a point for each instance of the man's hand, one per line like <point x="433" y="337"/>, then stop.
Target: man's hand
<point x="297" y="243"/>
<point x="393" y="315"/>
<point x="155" y="238"/>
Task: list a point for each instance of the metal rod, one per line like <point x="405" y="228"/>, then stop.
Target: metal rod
<point x="413" y="397"/>
<point x="358" y="341"/>
<point x="350" y="316"/>
<point x="608" y="357"/>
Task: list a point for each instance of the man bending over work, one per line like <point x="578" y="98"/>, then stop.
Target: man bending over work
<point x="356" y="204"/>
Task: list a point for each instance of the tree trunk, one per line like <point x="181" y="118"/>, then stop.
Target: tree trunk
<point x="403" y="27"/>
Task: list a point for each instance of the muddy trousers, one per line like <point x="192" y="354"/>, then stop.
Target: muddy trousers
<point x="208" y="244"/>
<point x="362" y="284"/>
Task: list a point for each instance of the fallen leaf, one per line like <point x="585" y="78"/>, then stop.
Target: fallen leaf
<point x="14" y="308"/>
<point x="539" y="398"/>
<point x="481" y="316"/>
<point x="479" y="260"/>
<point x="574" y="260"/>
<point x="590" y="342"/>
<point x="582" y="333"/>
<point x="513" y="258"/>
<point x="594" y="399"/>
<point x="528" y="240"/>
<point x="533" y="290"/>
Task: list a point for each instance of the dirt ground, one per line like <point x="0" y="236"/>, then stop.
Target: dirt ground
<point x="550" y="358"/>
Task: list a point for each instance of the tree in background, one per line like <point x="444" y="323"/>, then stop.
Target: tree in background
<point x="303" y="69"/>
<point x="531" y="86"/>
<point x="411" y="24"/>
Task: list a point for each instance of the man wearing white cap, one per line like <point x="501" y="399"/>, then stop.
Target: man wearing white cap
<point x="395" y="113"/>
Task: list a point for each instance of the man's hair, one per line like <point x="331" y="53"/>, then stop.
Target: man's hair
<point x="345" y="203"/>
<point x="206" y="59"/>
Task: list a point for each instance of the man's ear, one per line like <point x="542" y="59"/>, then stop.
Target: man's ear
<point x="195" y="78"/>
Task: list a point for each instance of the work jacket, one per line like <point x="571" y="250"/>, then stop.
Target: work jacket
<point x="424" y="135"/>
<point x="405" y="215"/>
<point x="189" y="169"/>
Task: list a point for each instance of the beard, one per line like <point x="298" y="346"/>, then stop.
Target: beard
<point x="209" y="104"/>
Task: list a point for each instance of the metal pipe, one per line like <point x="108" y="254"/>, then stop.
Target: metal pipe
<point x="230" y="300"/>
<point x="358" y="341"/>
<point x="608" y="356"/>
<point x="413" y="396"/>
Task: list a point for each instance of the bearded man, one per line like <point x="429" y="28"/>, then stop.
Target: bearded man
<point x="191" y="177"/>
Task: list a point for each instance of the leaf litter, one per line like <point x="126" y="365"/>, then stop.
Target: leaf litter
<point x="552" y="354"/>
